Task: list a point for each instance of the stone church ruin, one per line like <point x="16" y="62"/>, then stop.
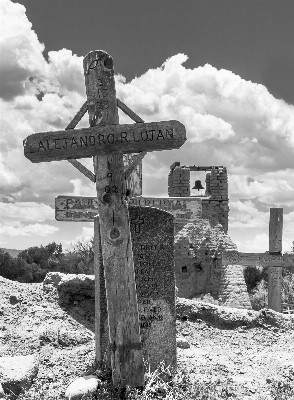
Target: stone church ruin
<point x="199" y="244"/>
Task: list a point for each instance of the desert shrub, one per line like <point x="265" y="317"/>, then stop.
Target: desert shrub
<point x="258" y="296"/>
<point x="253" y="275"/>
<point x="73" y="263"/>
<point x="84" y="248"/>
<point x="288" y="289"/>
<point x="10" y="267"/>
<point x="46" y="257"/>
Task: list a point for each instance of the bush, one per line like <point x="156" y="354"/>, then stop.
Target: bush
<point x="253" y="275"/>
<point x="46" y="257"/>
<point x="11" y="268"/>
<point x="288" y="289"/>
<point x="258" y="296"/>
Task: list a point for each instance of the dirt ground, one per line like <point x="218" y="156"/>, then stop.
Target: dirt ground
<point x="244" y="350"/>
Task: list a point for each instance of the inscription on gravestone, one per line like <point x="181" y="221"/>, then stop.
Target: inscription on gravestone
<point x="152" y="233"/>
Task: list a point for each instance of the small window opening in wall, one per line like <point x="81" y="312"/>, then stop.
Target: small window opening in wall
<point x="198" y="267"/>
<point x="184" y="269"/>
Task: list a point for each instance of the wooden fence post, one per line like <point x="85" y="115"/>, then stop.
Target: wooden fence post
<point x="275" y="247"/>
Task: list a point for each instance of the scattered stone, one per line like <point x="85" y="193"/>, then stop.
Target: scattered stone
<point x="50" y="376"/>
<point x="185" y="333"/>
<point x="77" y="285"/>
<point x="183" y="343"/>
<point x="2" y="394"/>
<point x="17" y="373"/>
<point x="48" y="336"/>
<point x="52" y="278"/>
<point x="83" y="386"/>
<point x="14" y="299"/>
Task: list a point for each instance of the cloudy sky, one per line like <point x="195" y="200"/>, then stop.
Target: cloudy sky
<point x="223" y="68"/>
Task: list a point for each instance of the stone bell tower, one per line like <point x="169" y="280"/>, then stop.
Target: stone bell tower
<point x="215" y="202"/>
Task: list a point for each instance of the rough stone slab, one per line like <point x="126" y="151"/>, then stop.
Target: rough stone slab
<point x="184" y="209"/>
<point x="17" y="373"/>
<point x="152" y="233"/>
<point x="81" y="387"/>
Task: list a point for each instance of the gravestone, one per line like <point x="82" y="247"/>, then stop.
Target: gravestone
<point x="152" y="232"/>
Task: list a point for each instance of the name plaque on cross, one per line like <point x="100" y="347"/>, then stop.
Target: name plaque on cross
<point x="87" y="142"/>
<point x="75" y="208"/>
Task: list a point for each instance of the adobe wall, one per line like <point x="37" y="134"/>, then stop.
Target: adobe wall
<point x="179" y="182"/>
<point x="199" y="270"/>
<point x="215" y="203"/>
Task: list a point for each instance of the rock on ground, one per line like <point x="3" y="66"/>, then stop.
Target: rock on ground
<point x="86" y="385"/>
<point x="17" y="373"/>
<point x="229" y="318"/>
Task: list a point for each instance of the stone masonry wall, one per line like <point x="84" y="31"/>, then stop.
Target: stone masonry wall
<point x="179" y="182"/>
<point x="231" y="291"/>
<point x="199" y="269"/>
<point x="215" y="204"/>
<point x="216" y="208"/>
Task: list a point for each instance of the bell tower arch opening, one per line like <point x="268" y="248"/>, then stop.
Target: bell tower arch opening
<point x="197" y="183"/>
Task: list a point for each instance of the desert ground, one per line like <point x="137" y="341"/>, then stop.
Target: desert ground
<point x="222" y="352"/>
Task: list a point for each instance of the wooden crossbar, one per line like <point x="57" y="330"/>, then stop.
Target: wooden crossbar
<point x="257" y="259"/>
<point x="274" y="259"/>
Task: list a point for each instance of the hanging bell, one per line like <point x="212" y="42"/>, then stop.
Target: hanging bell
<point x="198" y="185"/>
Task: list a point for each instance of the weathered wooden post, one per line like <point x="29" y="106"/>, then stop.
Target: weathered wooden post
<point x="274" y="259"/>
<point x="275" y="248"/>
<point x="106" y="141"/>
<point x="123" y="319"/>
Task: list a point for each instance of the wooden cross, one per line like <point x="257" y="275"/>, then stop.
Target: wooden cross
<point x="106" y="141"/>
<point x="274" y="260"/>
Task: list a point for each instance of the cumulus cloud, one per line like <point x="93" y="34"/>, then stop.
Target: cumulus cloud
<point x="29" y="230"/>
<point x="19" y="212"/>
<point x="246" y="215"/>
<point x="257" y="244"/>
<point x="21" y="51"/>
<point x="260" y="244"/>
<point x="229" y="121"/>
<point x="17" y="219"/>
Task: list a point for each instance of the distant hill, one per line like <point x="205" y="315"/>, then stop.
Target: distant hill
<point x="12" y="252"/>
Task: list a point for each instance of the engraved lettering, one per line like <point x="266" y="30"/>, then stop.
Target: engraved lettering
<point x="74" y="142"/>
<point x="146" y="136"/>
<point x="110" y="138"/>
<point x="101" y="138"/>
<point x="48" y="145"/>
<point x="152" y="131"/>
<point x="160" y="135"/>
<point x="41" y="146"/>
<point x="123" y="135"/>
<point x="55" y="141"/>
<point x="134" y="137"/>
<point x="65" y="142"/>
<point x="170" y="133"/>
<point x="84" y="141"/>
<point x="92" y="140"/>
